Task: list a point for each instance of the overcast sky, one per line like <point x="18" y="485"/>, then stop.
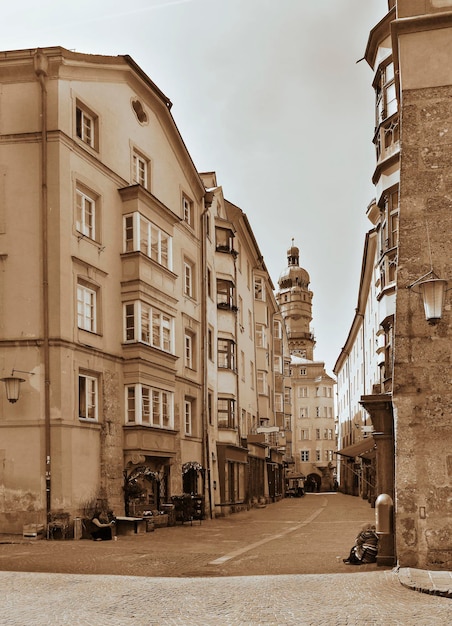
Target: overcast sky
<point x="266" y="93"/>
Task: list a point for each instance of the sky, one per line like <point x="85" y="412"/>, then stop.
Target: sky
<point x="270" y="96"/>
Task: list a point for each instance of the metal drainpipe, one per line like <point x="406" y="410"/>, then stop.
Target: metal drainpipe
<point x="40" y="67"/>
<point x="205" y="392"/>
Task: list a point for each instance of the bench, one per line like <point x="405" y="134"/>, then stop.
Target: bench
<point x="130" y="525"/>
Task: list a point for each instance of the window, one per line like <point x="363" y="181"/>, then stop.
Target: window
<point x="148" y="325"/>
<point x="261" y="335"/>
<point x="209" y="283"/>
<point x="224" y="240"/>
<point x="188" y="279"/>
<point x="259" y="293"/>
<point x="86" y="308"/>
<point x="252" y="374"/>
<point x="386" y="100"/>
<point x="304" y="433"/>
<point x="188" y="416"/>
<point x="304" y="455"/>
<point x="317" y="411"/>
<point x="303" y="371"/>
<point x="210" y="407"/>
<point x="317" y="433"/>
<point x="302" y="392"/>
<point x="86" y="125"/>
<point x="242" y="365"/>
<point x="226" y="354"/>
<point x="189" y="350"/>
<point x="149" y="406"/>
<point x="303" y="411"/>
<point x="87" y="397"/>
<point x="225" y="294"/>
<point x="287" y="396"/>
<point x="187" y="210"/>
<point x="139" y="169"/>
<point x="277" y="329"/>
<point x="142" y="235"/>
<point x="262" y="382"/>
<point x="277" y="364"/>
<point x="318" y="455"/>
<point x="279" y="402"/>
<point x="210" y="344"/>
<point x="226" y="413"/>
<point x="85" y="219"/>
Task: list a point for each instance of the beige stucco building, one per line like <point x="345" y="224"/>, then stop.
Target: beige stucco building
<point x="128" y="303"/>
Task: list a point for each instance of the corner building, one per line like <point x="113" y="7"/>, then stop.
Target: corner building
<point x="120" y="307"/>
<point x="409" y="402"/>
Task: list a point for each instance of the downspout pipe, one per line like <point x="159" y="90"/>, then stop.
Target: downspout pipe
<point x="40" y="62"/>
<point x="205" y="387"/>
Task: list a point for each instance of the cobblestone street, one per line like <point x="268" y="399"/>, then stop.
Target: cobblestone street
<point x="273" y="566"/>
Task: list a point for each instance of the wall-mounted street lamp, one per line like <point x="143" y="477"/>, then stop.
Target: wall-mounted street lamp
<point x="432" y="290"/>
<point x="12" y="385"/>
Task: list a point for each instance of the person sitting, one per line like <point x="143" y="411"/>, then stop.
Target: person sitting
<point x="100" y="530"/>
<point x="365" y="549"/>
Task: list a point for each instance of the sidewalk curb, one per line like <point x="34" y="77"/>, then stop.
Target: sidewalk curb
<point x="431" y="582"/>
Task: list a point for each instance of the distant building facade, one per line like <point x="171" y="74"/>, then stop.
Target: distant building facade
<point x="313" y="413"/>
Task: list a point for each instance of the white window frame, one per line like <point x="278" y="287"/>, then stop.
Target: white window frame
<point x="141" y="235"/>
<point x="88" y="398"/>
<point x="188" y="279"/>
<point x="86" y="308"/>
<point x="85" y="221"/>
<point x="188" y="350"/>
<point x="187" y="210"/>
<point x="188" y="417"/>
<point x="262" y="385"/>
<point x="86" y="125"/>
<point x="304" y="456"/>
<point x="259" y="288"/>
<point x="146" y="324"/>
<point x="140" y="167"/>
<point x="149" y="406"/>
<point x="261" y="335"/>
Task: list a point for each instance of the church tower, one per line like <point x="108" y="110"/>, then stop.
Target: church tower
<point x="312" y="401"/>
<point x="295" y="301"/>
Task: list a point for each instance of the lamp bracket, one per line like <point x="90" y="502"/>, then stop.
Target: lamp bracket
<point x="21" y="372"/>
<point x="428" y="276"/>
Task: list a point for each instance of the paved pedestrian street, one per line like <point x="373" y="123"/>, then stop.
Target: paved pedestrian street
<point x="274" y="566"/>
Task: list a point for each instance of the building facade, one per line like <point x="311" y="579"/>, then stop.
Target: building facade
<point x="124" y="304"/>
<point x="314" y="436"/>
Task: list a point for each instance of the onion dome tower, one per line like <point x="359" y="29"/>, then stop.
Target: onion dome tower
<point x="295" y="302"/>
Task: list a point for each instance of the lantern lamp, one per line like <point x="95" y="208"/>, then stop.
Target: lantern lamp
<point x="432" y="290"/>
<point x="12" y="385"/>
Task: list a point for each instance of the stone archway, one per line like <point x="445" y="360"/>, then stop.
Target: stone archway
<point x="313" y="482"/>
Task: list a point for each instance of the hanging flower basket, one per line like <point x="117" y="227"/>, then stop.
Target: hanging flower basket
<point x="191" y="465"/>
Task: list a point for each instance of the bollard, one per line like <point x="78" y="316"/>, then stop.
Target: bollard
<point x="383" y="514"/>
<point x="384" y="508"/>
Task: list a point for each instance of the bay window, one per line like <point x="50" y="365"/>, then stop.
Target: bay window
<point x="149" y="406"/>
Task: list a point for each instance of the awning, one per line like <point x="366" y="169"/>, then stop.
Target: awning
<point x="364" y="448"/>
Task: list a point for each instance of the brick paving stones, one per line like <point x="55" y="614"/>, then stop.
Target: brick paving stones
<point x="274" y="566"/>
